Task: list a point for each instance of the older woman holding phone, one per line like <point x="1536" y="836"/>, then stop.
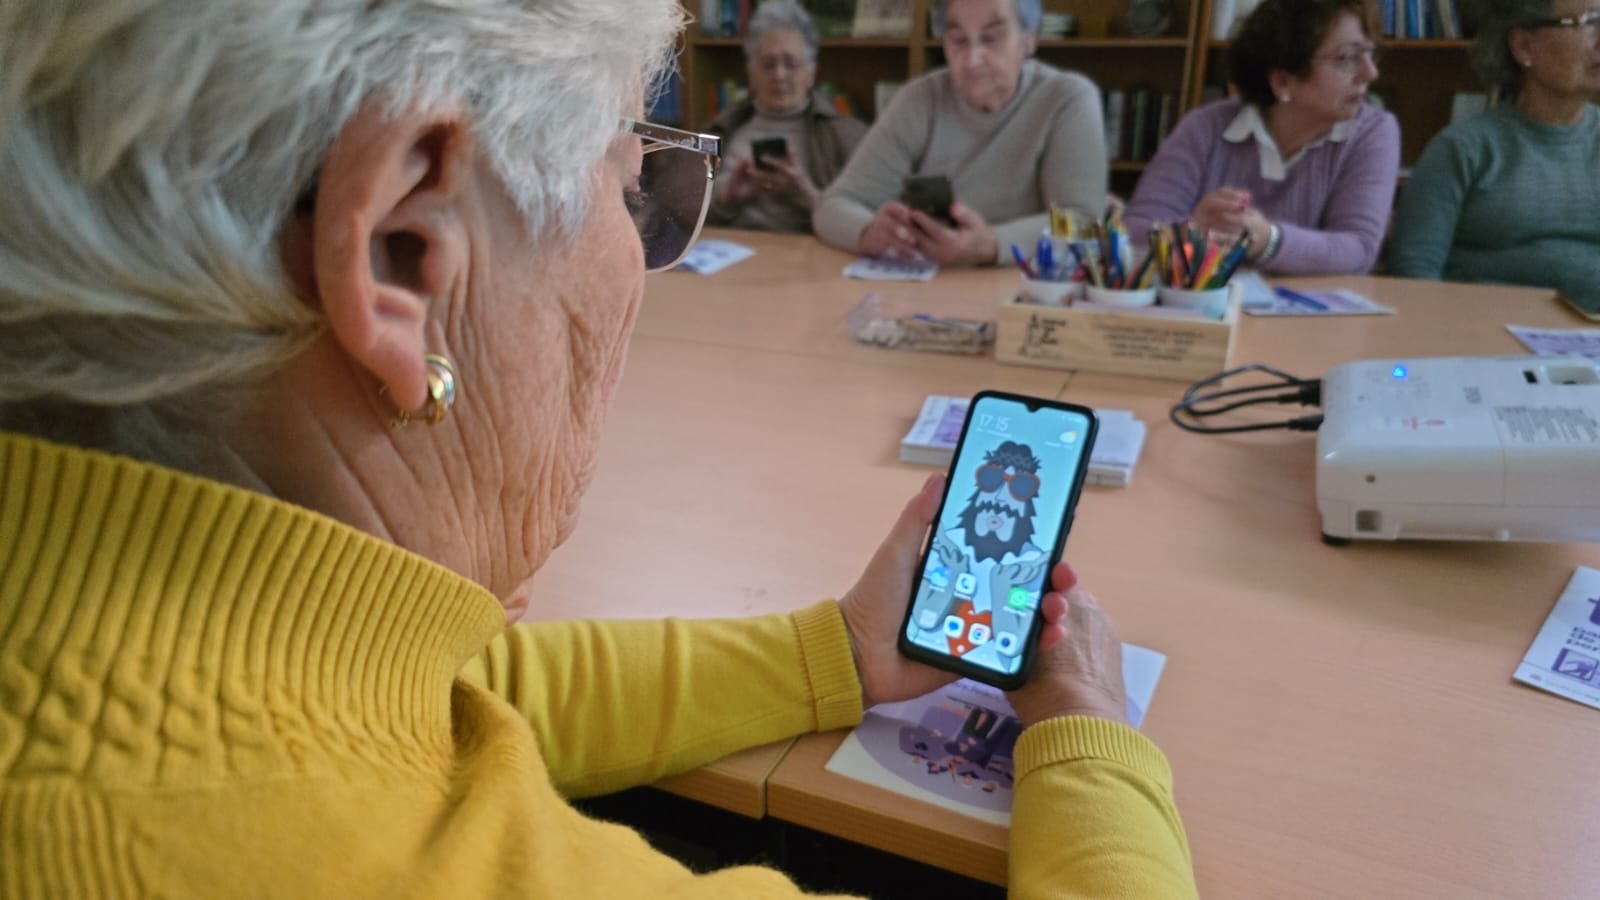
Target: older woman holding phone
<point x="1510" y="196"/>
<point x="785" y="142"/>
<point x="1010" y="135"/>
<point x="312" y="311"/>
<point x="1298" y="161"/>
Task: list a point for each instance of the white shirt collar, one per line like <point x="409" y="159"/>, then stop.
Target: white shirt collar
<point x="1249" y="124"/>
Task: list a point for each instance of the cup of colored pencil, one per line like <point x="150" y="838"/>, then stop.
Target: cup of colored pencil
<point x="1195" y="268"/>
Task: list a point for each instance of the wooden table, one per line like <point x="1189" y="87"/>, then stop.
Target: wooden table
<point x="1341" y="720"/>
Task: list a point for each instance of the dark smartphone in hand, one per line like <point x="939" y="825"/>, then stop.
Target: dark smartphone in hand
<point x="769" y="146"/>
<point x="930" y="194"/>
<point x="1002" y="524"/>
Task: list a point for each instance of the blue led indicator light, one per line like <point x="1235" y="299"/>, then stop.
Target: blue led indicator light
<point x="1399" y="371"/>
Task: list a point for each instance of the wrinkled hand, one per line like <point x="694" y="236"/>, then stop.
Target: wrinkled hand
<point x="788" y="180"/>
<point x="875" y="607"/>
<point x="1078" y="671"/>
<point x="1229" y="211"/>
<point x="1221" y="210"/>
<point x="890" y="233"/>
<point x="735" y="186"/>
<point x="970" y="243"/>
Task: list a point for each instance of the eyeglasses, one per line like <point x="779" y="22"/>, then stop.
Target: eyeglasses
<point x="674" y="190"/>
<point x="1024" y="485"/>
<point x="771" y="64"/>
<point x="1350" y="59"/>
<point x="1589" y="22"/>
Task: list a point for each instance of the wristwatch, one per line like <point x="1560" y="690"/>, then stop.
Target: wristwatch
<point x="1274" y="238"/>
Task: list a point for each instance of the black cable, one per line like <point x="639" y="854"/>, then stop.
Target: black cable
<point x="1283" y="389"/>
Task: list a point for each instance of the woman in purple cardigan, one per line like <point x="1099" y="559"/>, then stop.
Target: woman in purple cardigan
<point x="1298" y="160"/>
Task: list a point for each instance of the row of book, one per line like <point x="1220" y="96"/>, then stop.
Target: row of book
<point x="1421" y="19"/>
<point x="1136" y="122"/>
<point x="1400" y="19"/>
<point x="834" y="18"/>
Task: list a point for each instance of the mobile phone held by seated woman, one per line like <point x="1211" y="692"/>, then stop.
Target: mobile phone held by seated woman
<point x="930" y="194"/>
<point x="761" y="149"/>
<point x="1002" y="523"/>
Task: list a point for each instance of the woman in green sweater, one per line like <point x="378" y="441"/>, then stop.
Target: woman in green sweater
<point x="1510" y="196"/>
<point x="309" y="314"/>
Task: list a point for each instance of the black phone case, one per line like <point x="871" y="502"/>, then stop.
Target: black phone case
<point x="761" y="147"/>
<point x="929" y="194"/>
<point x="1031" y="641"/>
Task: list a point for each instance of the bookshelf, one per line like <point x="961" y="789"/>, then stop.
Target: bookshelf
<point x="1101" y="50"/>
<point x="1417" y="81"/>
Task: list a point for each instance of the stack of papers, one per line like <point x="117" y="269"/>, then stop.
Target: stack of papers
<point x="932" y="440"/>
<point x="877" y="268"/>
<point x="1116" y="447"/>
<point x="953" y="747"/>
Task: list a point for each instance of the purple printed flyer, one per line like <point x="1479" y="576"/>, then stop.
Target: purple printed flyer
<point x="953" y="747"/>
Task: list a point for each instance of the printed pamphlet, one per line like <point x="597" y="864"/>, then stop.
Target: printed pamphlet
<point x="953" y="748"/>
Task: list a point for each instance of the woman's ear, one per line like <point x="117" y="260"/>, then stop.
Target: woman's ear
<point x="388" y="237"/>
<point x="1280" y="82"/>
<point x="1520" y="42"/>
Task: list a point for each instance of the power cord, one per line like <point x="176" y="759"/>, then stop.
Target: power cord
<point x="1198" y="403"/>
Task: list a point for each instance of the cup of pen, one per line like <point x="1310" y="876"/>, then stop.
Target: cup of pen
<point x="1123" y="284"/>
<point x="1049" y="292"/>
<point x="1046" y="274"/>
<point x="1211" y="301"/>
<point x="1119" y="296"/>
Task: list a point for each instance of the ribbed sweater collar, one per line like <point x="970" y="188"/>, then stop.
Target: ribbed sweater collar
<point x="158" y="627"/>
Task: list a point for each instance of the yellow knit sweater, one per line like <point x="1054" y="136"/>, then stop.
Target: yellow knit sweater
<point x="206" y="692"/>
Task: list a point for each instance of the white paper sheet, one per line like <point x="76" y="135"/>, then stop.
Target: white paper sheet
<point x="709" y="257"/>
<point x="1558" y="341"/>
<point x="1565" y="656"/>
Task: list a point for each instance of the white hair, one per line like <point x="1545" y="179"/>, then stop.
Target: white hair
<point x="782" y="15"/>
<point x="152" y="150"/>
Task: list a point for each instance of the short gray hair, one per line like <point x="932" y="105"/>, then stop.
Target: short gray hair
<point x="1029" y="13"/>
<point x="1490" y="53"/>
<point x="152" y="151"/>
<point x="782" y="15"/>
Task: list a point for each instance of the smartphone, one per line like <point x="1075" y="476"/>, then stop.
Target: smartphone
<point x="930" y="194"/>
<point x="1002" y="523"/>
<point x="768" y="146"/>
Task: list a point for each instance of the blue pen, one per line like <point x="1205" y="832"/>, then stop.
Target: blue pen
<point x="1022" y="262"/>
<point x="1046" y="260"/>
<point x="1296" y="297"/>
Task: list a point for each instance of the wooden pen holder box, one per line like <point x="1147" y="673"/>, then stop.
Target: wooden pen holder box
<point x="1153" y="341"/>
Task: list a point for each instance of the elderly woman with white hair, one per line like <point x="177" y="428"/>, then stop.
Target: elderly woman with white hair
<point x="785" y="142"/>
<point x="311" y="312"/>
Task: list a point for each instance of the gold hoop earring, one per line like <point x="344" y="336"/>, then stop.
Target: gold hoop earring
<point x="441" y="394"/>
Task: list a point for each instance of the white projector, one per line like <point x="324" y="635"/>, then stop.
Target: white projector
<point x="1464" y="448"/>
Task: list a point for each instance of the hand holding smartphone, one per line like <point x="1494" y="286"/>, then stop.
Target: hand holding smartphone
<point x="1002" y="524"/>
<point x="930" y="194"/>
<point x="761" y="148"/>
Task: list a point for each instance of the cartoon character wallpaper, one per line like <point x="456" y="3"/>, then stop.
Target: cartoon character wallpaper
<point x="982" y="582"/>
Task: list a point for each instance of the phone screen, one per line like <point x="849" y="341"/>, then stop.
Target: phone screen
<point x="1007" y="505"/>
